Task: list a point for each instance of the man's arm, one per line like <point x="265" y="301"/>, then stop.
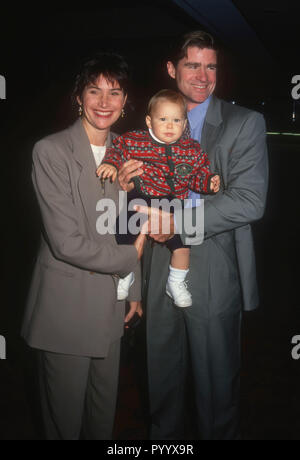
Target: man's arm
<point x="243" y="200"/>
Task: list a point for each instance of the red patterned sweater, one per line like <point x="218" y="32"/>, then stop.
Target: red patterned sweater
<point x="169" y="169"/>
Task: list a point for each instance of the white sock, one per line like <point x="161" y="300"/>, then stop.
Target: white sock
<point x="177" y="275"/>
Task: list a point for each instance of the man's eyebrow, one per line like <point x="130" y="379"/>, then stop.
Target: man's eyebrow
<point x="199" y="64"/>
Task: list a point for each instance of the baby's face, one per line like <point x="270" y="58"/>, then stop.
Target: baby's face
<point x="167" y="121"/>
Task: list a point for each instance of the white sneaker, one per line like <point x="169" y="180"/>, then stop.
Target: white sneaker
<point x="124" y="286"/>
<point x="179" y="293"/>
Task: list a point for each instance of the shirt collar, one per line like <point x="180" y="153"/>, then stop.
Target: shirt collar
<point x="157" y="140"/>
<point x="198" y="113"/>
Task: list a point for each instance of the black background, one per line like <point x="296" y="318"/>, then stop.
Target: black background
<point x="41" y="49"/>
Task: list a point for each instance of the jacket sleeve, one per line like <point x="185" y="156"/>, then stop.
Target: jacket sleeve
<point x="201" y="176"/>
<point x="60" y="219"/>
<point x="243" y="200"/>
<point x="135" y="292"/>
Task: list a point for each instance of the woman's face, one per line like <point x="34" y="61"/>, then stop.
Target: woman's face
<point x="102" y="103"/>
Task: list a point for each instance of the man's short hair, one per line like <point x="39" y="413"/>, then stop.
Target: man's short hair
<point x="197" y="38"/>
<point x="170" y="96"/>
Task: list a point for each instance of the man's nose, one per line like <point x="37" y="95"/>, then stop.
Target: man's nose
<point x="201" y="74"/>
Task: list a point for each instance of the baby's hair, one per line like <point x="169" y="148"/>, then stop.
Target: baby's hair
<point x="167" y="95"/>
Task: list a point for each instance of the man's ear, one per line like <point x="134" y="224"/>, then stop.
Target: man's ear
<point x="171" y="69"/>
<point x="148" y="121"/>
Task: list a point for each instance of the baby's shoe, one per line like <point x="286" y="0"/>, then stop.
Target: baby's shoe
<point x="124" y="286"/>
<point x="179" y="293"/>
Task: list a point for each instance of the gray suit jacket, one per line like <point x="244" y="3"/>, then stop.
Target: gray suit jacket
<point x="235" y="140"/>
<point x="72" y="306"/>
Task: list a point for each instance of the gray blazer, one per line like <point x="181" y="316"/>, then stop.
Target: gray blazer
<point x="235" y="141"/>
<point x="72" y="305"/>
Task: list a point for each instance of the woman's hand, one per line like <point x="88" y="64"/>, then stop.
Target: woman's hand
<point x="135" y="307"/>
<point x="129" y="170"/>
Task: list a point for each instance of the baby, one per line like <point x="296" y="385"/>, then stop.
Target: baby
<point x="173" y="164"/>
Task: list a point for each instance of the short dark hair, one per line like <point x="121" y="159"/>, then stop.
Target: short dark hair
<point x="112" y="66"/>
<point x="168" y="95"/>
<point x="197" y="38"/>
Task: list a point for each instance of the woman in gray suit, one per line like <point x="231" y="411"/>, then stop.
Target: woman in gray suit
<point x="73" y="317"/>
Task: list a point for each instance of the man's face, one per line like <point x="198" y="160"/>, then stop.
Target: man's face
<point x="195" y="75"/>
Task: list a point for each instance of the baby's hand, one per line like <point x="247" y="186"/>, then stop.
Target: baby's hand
<point x="105" y="171"/>
<point x="215" y="184"/>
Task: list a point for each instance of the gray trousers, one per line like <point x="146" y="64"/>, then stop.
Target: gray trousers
<point x="205" y="337"/>
<point x="79" y="394"/>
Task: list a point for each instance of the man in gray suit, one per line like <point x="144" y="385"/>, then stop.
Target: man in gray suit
<point x="222" y="276"/>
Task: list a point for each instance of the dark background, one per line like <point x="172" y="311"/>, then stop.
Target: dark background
<point x="41" y="50"/>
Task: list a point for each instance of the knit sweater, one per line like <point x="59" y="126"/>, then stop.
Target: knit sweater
<point x="169" y="169"/>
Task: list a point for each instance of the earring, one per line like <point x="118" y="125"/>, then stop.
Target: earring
<point x="80" y="110"/>
<point x="122" y="113"/>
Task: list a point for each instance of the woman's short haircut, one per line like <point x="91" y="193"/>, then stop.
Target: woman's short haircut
<point x="112" y="66"/>
<point x="170" y="96"/>
<point x="198" y="38"/>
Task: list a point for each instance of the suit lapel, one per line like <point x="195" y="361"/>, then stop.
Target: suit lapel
<point x="89" y="185"/>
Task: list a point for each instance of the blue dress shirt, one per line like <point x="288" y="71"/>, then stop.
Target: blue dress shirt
<point x="196" y="118"/>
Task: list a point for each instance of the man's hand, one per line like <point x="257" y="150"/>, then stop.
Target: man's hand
<point x="129" y="170"/>
<point x="215" y="184"/>
<point x="161" y="225"/>
<point x="135" y="307"/>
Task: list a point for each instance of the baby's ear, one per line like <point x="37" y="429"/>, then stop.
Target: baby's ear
<point x="148" y="121"/>
<point x="184" y="124"/>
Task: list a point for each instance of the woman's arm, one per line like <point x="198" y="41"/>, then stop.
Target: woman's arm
<point x="60" y="218"/>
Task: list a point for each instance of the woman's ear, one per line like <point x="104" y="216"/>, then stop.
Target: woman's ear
<point x="78" y="100"/>
<point x="148" y="121"/>
<point x="125" y="100"/>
